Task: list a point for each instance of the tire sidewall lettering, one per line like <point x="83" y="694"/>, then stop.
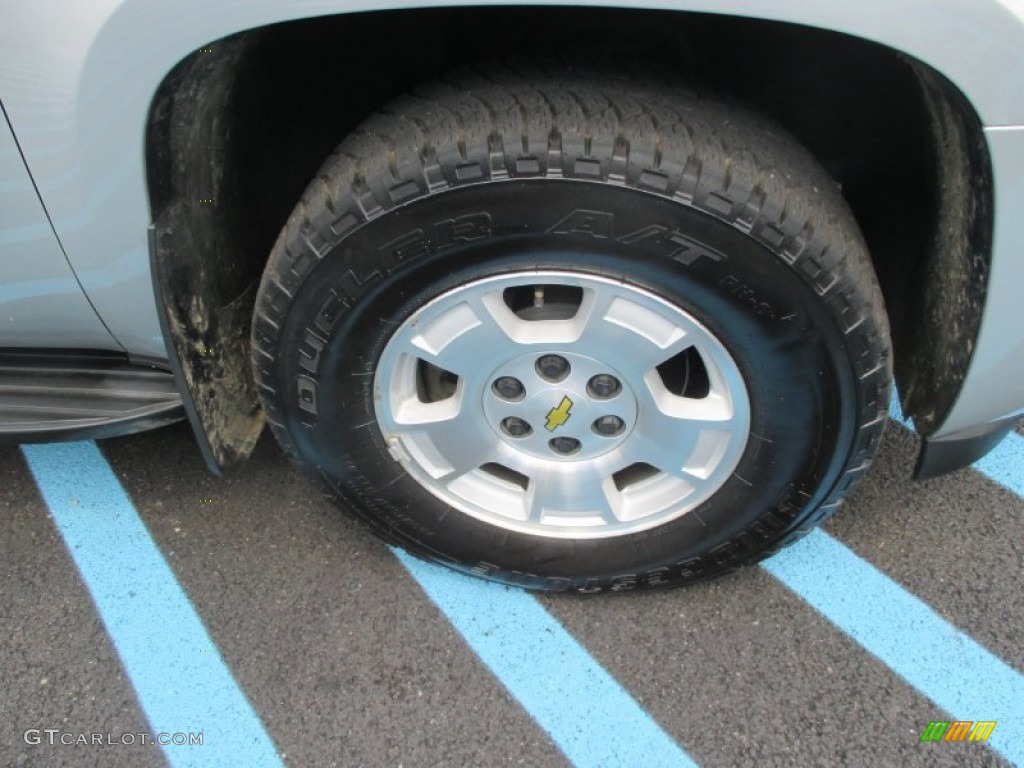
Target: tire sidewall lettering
<point x="476" y="227"/>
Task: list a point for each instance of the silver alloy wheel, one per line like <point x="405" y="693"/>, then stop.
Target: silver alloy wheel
<point x="561" y="404"/>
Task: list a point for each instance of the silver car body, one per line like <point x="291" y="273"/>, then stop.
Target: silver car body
<point x="77" y="80"/>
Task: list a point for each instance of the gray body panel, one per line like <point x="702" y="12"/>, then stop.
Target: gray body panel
<point x="78" y="80"/>
<point x="41" y="302"/>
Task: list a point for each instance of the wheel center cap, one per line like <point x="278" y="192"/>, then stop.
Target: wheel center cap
<point x="588" y="411"/>
<point x="558" y="415"/>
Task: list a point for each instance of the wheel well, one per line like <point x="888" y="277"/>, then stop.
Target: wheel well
<point x="238" y="128"/>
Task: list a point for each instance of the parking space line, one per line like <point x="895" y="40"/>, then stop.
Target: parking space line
<point x="1005" y="463"/>
<point x="592" y="719"/>
<point x="904" y="633"/>
<point x="908" y="636"/>
<point x="161" y="641"/>
<point x="587" y="713"/>
<point x="936" y="658"/>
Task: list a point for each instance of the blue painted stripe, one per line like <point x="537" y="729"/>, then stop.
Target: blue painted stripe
<point x="910" y="638"/>
<point x="591" y="718"/>
<point x="151" y="623"/>
<point x="932" y="655"/>
<point x="896" y="411"/>
<point x="1005" y="463"/>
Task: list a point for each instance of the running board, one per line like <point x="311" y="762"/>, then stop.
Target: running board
<point x="48" y="396"/>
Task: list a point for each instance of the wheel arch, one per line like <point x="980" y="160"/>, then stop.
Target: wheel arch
<point x="231" y="144"/>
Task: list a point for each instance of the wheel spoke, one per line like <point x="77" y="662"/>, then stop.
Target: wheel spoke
<point x="460" y="339"/>
<point x="447" y="438"/>
<point x="641" y="337"/>
<point x="684" y="448"/>
<point x="572" y="496"/>
<point x="463" y="441"/>
<point x="531" y="332"/>
<point x="665" y="449"/>
<point x="715" y="410"/>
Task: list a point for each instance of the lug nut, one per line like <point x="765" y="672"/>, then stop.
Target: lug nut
<point x="603" y="386"/>
<point x="609" y="426"/>
<point x="564" y="445"/>
<point x="515" y="427"/>
<point x="508" y="388"/>
<point x="553" y="367"/>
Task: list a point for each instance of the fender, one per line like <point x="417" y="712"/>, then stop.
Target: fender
<point x="81" y="119"/>
<point x="95" y="67"/>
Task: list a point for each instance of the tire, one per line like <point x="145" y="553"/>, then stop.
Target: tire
<point x="500" y="217"/>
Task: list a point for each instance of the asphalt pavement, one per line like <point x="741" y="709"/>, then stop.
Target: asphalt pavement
<point x="347" y="661"/>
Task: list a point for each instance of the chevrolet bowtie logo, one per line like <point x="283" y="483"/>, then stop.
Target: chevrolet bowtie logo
<point x="558" y="416"/>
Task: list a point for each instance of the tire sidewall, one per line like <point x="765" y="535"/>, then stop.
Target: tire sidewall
<point x="786" y="341"/>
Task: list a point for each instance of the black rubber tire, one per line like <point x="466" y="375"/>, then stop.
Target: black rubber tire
<point x="508" y="167"/>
